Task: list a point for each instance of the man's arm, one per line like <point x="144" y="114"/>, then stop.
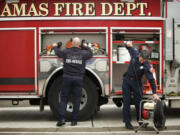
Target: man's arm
<point x="57" y="51"/>
<point x="87" y="52"/>
<point x="151" y="79"/>
<point x="132" y="51"/>
<point x="152" y="82"/>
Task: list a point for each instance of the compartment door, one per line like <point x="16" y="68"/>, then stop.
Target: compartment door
<point x="149" y="39"/>
<point x="17" y="68"/>
<point x="177" y="41"/>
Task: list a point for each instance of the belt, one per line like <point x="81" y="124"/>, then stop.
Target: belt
<point x="131" y="77"/>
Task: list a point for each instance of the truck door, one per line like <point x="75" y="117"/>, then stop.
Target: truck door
<point x="17" y="53"/>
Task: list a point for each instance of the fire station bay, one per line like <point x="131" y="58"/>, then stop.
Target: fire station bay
<point x="30" y="70"/>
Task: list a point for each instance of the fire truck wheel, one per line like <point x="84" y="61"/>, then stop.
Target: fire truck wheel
<point x="89" y="99"/>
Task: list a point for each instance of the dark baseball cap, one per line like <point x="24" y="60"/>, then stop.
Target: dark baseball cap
<point x="144" y="54"/>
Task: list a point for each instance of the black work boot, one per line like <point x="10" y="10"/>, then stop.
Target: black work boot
<point x="61" y="123"/>
<point x="73" y="123"/>
<point x="128" y="125"/>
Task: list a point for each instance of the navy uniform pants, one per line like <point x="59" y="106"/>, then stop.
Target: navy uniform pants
<point x="131" y="86"/>
<point x="70" y="86"/>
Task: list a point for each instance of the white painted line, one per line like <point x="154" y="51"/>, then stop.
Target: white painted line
<point x="128" y="132"/>
<point x="20" y="108"/>
<point x="108" y="132"/>
<point x="79" y="18"/>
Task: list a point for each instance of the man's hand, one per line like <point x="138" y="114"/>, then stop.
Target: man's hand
<point x="155" y="97"/>
<point x="129" y="44"/>
<point x="84" y="46"/>
<point x="54" y="44"/>
<point x="59" y="44"/>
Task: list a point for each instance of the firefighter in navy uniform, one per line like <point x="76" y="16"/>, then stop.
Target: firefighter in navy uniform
<point x="74" y="59"/>
<point x="138" y="66"/>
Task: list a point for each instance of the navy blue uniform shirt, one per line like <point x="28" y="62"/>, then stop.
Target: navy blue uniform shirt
<point x="74" y="60"/>
<point x="140" y="68"/>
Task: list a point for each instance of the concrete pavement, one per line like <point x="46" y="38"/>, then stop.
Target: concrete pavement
<point x="25" y="119"/>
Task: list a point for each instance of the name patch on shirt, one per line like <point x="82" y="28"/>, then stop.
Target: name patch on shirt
<point x="74" y="59"/>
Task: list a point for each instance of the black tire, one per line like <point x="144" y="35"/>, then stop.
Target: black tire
<point x="159" y="117"/>
<point x="89" y="99"/>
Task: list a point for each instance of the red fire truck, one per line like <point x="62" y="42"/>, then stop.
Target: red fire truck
<point x="31" y="71"/>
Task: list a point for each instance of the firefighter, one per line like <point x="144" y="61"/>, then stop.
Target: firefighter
<point x="138" y="66"/>
<point x="74" y="60"/>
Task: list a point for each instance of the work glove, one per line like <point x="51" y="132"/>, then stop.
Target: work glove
<point x="84" y="45"/>
<point x="59" y="44"/>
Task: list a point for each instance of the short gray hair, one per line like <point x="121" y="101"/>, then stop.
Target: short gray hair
<point x="76" y="42"/>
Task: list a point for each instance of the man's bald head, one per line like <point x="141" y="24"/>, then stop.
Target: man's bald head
<point x="76" y="42"/>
